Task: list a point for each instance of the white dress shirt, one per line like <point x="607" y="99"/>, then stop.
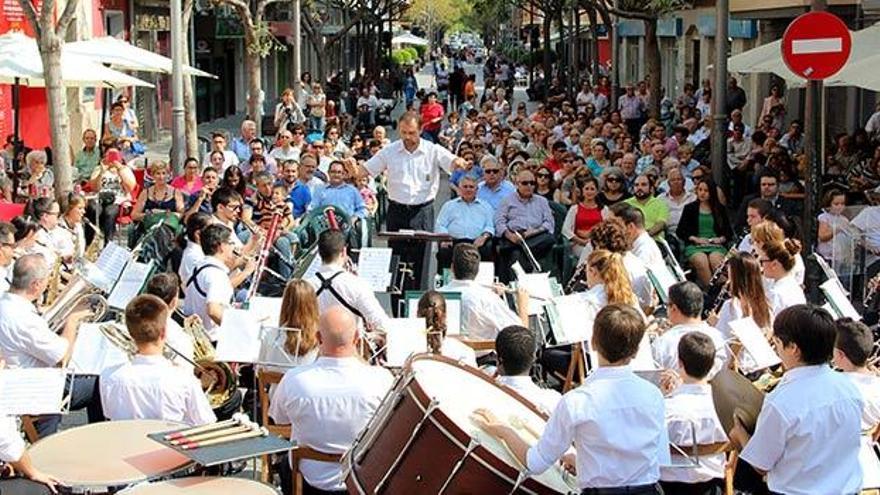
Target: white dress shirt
<point x="215" y="288"/>
<point x="869" y="386"/>
<point x="483" y="312"/>
<point x="645" y="248"/>
<point x="182" y="343"/>
<point x="356" y="293"/>
<point x="784" y="292"/>
<point x="25" y="338"/>
<point x="617" y="423"/>
<point x="12" y="446"/>
<point x="808" y="435"/>
<point x="690" y="407"/>
<point x="638" y="277"/>
<point x="413" y="178"/>
<point x="150" y="387"/>
<point x="327" y="403"/>
<point x="45" y="245"/>
<point x="665" y="347"/>
<point x="192" y="255"/>
<point x="544" y="399"/>
<point x="70" y="239"/>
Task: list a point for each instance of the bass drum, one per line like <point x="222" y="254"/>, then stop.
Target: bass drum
<point x="422" y="440"/>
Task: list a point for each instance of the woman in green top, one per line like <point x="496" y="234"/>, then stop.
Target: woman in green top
<point x="705" y="230"/>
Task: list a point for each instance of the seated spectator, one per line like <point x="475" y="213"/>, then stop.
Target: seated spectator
<point x="546" y="185"/>
<point x="466" y="219"/>
<point x="653" y="208"/>
<point x="234" y="179"/>
<point x="494" y="188"/>
<point x="88" y="157"/>
<point x="676" y="196"/>
<point x="523" y="217"/>
<point x="258" y="148"/>
<point x="583" y="216"/>
<point x="201" y="202"/>
<point x="285" y="149"/>
<point x="831" y="222"/>
<point x="40" y="181"/>
<point x="119" y="131"/>
<point x="114" y="181"/>
<point x="705" y="231"/>
<point x="189" y="183"/>
<point x="218" y="143"/>
<point x="613" y="187"/>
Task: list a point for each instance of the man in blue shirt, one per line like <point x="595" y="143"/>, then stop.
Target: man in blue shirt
<point x="494" y="187"/>
<point x="345" y="196"/>
<point x="466" y="219"/>
<point x="241" y="145"/>
<point x="523" y="216"/>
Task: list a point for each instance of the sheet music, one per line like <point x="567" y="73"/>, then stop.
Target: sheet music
<point x="107" y="269"/>
<point x="838" y="300"/>
<point x="93" y="353"/>
<point x="272" y="347"/>
<point x="664" y="278"/>
<point x="266" y="309"/>
<point x="754" y="342"/>
<point x="869" y="459"/>
<point x="486" y="273"/>
<point x="374" y="266"/>
<point x="574" y="321"/>
<point x="31" y="391"/>
<point x="405" y="336"/>
<point x="130" y="284"/>
<point x="538" y="285"/>
<point x="644" y="360"/>
<point x="453" y="311"/>
<point x="238" y="339"/>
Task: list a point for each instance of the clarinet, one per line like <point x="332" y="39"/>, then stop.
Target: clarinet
<point x="577" y="278"/>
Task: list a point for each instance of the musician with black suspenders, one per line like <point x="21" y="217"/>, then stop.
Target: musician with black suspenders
<point x="335" y="285"/>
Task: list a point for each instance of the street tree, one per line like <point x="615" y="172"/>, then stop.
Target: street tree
<point x="315" y="15"/>
<point x="435" y="15"/>
<point x="50" y="39"/>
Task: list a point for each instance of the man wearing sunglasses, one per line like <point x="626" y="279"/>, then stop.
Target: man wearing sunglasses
<point x="7" y="247"/>
<point x="523" y="216"/>
<point x="494" y="187"/>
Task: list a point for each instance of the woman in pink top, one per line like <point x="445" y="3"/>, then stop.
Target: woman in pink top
<point x="190" y="183"/>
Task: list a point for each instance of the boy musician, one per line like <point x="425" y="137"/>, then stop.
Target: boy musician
<point x="689" y="407"/>
<point x="615" y="419"/>
<point x="515" y="347"/>
<point x="150" y="387"/>
<point x="807" y="438"/>
<point x="852" y="349"/>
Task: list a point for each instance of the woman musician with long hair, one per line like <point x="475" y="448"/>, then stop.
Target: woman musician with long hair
<point x="608" y="280"/>
<point x="747" y="296"/>
<point x="778" y="261"/>
<point x="299" y="310"/>
<point x="432" y="307"/>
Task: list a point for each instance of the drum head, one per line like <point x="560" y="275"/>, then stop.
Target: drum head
<point x="459" y="390"/>
<point x="202" y="486"/>
<point x="109" y="454"/>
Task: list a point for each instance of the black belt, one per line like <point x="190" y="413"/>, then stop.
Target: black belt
<point x="411" y="207"/>
<point x="653" y="488"/>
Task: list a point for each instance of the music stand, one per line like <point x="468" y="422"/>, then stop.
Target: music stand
<point x="273" y="349"/>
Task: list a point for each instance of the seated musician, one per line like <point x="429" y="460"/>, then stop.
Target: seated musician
<point x="228" y="205"/>
<point x="329" y="401"/>
<point x="299" y="310"/>
<point x="853" y="347"/>
<point x="529" y="215"/>
<point x="643" y="245"/>
<point x="776" y="228"/>
<point x="26" y="341"/>
<point x="336" y="286"/>
<point x="432" y="307"/>
<point x="48" y="241"/>
<point x="611" y="235"/>
<point x="467" y="219"/>
<point x="210" y="288"/>
<point x="260" y="210"/>
<point x="7" y="254"/>
<point x="27" y="480"/>
<point x="747" y="295"/>
<point x="72" y="236"/>
<point x="608" y="281"/>
<point x="150" y="387"/>
<point x="160" y="199"/>
<point x="192" y="253"/>
<point x="756" y="210"/>
<point x="516" y="346"/>
<point x="684" y="310"/>
<point x="483" y="312"/>
<point x="778" y="261"/>
<point x="616" y="420"/>
<point x="165" y="286"/>
<point x="690" y="413"/>
<point x="807" y="439"/>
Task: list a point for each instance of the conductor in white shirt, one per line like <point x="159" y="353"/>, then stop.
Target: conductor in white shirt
<point x="516" y="346"/>
<point x="328" y="402"/>
<point x="150" y="387"/>
<point x="413" y="168"/>
<point x="27" y="342"/>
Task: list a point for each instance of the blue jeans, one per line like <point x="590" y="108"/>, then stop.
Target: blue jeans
<point x="316" y="123"/>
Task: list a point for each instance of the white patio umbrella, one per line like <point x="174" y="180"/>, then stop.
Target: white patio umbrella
<point x="407" y="38"/>
<point x="120" y="54"/>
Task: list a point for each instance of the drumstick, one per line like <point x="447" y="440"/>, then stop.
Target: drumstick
<point x="262" y="432"/>
<point x="215" y="433"/>
<point x="237" y="418"/>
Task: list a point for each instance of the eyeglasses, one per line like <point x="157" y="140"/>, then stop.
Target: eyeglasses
<point x="527" y="183"/>
<point x="544" y="176"/>
<point x="234" y="207"/>
<point x="300" y="133"/>
<point x="697" y="177"/>
<point x="491" y="170"/>
<point x="612" y="179"/>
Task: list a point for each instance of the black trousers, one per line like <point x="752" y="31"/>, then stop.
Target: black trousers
<point x="21" y="486"/>
<point x="510" y="253"/>
<point x="444" y="254"/>
<point x="412" y="217"/>
<point x="711" y="487"/>
<point x="106" y="215"/>
<point x="625" y="490"/>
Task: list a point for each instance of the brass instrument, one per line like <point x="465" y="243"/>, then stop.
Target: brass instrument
<point x="93" y="250"/>
<point x="218" y="380"/>
<point x="78" y="295"/>
<point x="118" y="335"/>
<point x="53" y="288"/>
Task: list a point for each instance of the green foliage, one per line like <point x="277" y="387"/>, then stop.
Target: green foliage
<point x="413" y="53"/>
<point x="654" y="7"/>
<point x="402" y="57"/>
<point x="265" y="42"/>
<point x="421" y="51"/>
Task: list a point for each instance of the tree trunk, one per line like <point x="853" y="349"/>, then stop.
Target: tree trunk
<point x="594" y="46"/>
<point x="191" y="125"/>
<point x="59" y="125"/>
<point x="253" y="69"/>
<point x="652" y="65"/>
<point x="547" y="63"/>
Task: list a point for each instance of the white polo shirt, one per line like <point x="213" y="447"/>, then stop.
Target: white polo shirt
<point x="211" y="285"/>
<point x="483" y="312"/>
<point x="413" y="177"/>
<point x="25" y="338"/>
<point x="181" y="342"/>
<point x="808" y="434"/>
<point x="354" y="290"/>
<point x="5" y="276"/>
<point x="327" y="403"/>
<point x="645" y="248"/>
<point x="192" y="255"/>
<point x="150" y="387"/>
<point x="784" y="293"/>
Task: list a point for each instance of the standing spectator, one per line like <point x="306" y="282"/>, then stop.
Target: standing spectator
<point x="288" y="112"/>
<point x="410" y="87"/>
<point x="632" y="110"/>
<point x="317" y="103"/>
<point x="432" y="118"/>
<point x="736" y="96"/>
<point x="738" y="149"/>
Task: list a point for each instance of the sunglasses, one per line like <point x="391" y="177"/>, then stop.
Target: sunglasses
<point x="234" y="207"/>
<point x="491" y="170"/>
<point x="544" y="176"/>
<point x="612" y="179"/>
<point x="527" y="183"/>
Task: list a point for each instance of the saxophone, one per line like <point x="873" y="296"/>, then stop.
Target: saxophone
<point x="53" y="288"/>
<point x="93" y="250"/>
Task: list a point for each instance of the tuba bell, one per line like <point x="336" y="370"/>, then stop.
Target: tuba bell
<point x="218" y="380"/>
<point x="78" y="295"/>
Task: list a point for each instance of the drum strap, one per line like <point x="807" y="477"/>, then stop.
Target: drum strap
<point x="193" y="280"/>
<point x="327" y="283"/>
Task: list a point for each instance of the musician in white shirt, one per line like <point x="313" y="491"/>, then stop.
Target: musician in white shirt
<point x="853" y="347"/>
<point x="26" y="341"/>
<point x="192" y="253"/>
<point x="432" y="307"/>
<point x="690" y="414"/>
<point x="756" y="210"/>
<point x="336" y="286"/>
<point x="483" y="312"/>
<point x="47" y="212"/>
<point x="643" y="245"/>
<point x="165" y="287"/>
<point x="29" y="480"/>
<point x="778" y="261"/>
<point x="7" y="254"/>
<point x="807" y="439"/>
<point x="616" y="420"/>
<point x="329" y="401"/>
<point x="611" y="234"/>
<point x="515" y="347"/>
<point x="69" y="234"/>
<point x="210" y="289"/>
<point x="150" y="387"/>
<point x="684" y="310"/>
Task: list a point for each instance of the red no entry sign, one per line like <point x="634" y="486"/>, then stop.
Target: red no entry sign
<point x="816" y="45"/>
